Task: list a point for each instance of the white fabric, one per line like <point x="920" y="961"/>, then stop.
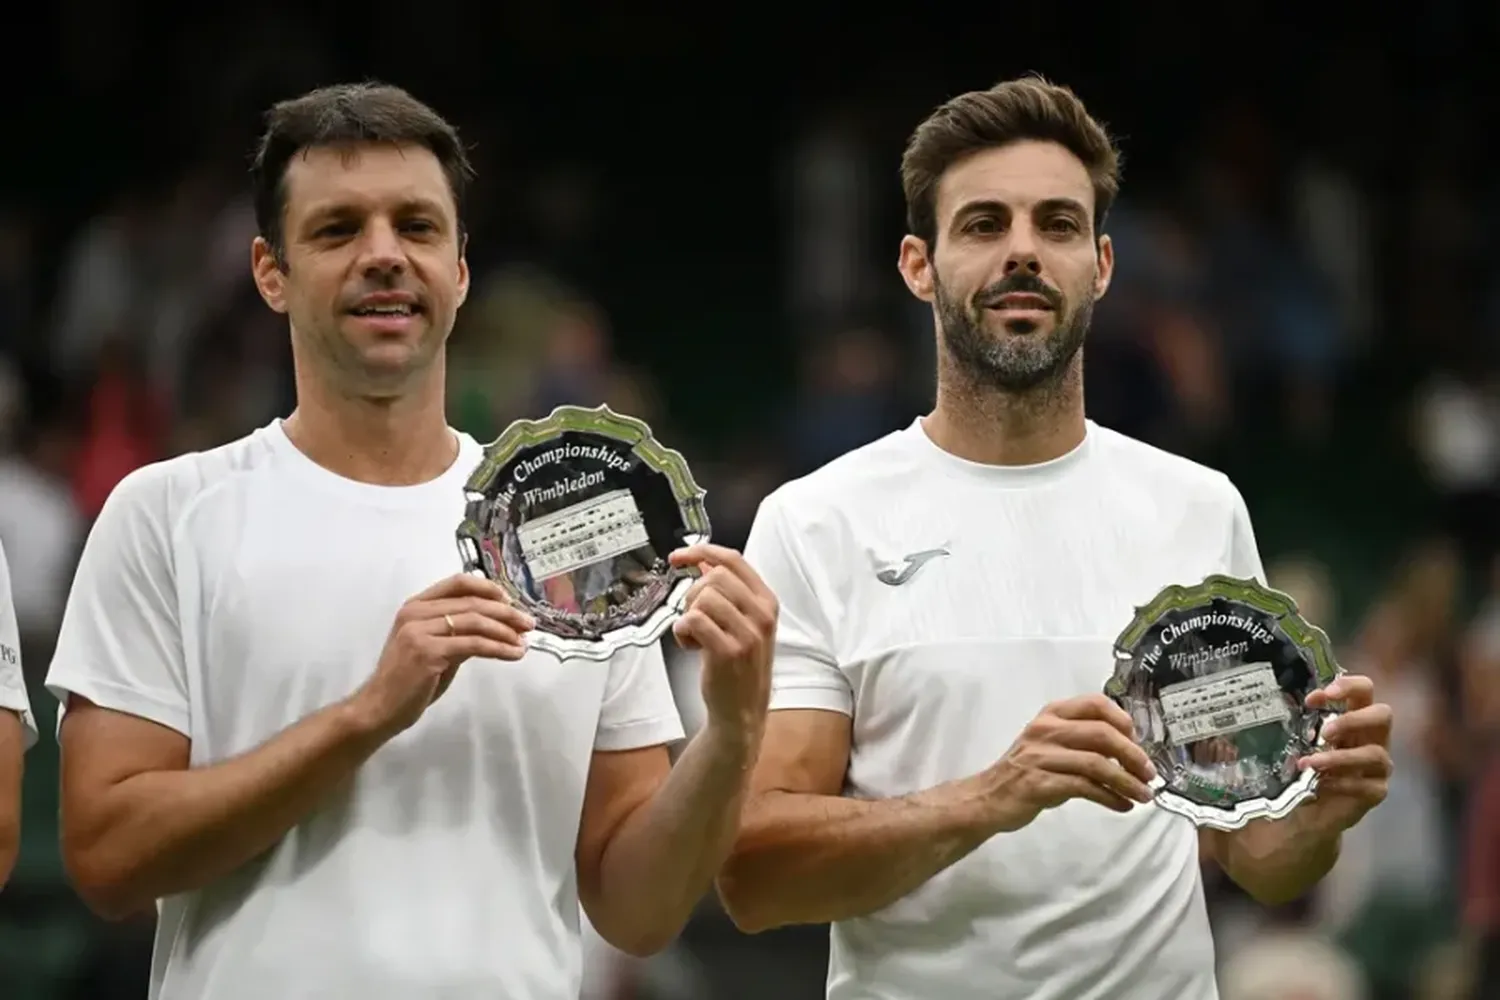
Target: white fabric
<point x="12" y="684"/>
<point x="1045" y="567"/>
<point x="231" y="593"/>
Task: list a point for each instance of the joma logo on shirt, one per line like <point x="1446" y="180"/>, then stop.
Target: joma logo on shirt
<point x="895" y="576"/>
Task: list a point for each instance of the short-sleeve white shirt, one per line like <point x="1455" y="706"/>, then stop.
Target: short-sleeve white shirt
<point x="13" y="695"/>
<point x="1005" y="589"/>
<point x="230" y="593"/>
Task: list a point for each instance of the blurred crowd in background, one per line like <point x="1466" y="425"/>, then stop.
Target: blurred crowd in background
<point x="699" y="227"/>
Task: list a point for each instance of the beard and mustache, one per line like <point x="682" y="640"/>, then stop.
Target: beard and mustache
<point x="1013" y="361"/>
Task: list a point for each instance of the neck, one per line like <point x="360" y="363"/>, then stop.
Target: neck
<point x="993" y="426"/>
<point x="401" y="440"/>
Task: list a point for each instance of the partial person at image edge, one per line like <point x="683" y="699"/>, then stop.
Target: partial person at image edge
<point x="17" y="726"/>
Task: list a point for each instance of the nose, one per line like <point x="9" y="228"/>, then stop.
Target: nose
<point x="1021" y="252"/>
<point x="381" y="251"/>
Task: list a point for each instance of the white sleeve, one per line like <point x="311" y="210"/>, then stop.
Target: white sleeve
<point x="638" y="710"/>
<point x="12" y="681"/>
<point x="120" y="645"/>
<point x="806" y="672"/>
<point x="1242" y="555"/>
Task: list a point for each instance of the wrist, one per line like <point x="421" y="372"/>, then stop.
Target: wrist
<point x="985" y="802"/>
<point x="736" y="739"/>
<point x="364" y="720"/>
<point x="1324" y="827"/>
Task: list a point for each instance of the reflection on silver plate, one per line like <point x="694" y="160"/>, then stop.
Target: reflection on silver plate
<point x="1216" y="678"/>
<point x="574" y="516"/>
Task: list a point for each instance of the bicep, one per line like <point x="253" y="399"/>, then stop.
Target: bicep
<point x="619" y="782"/>
<point x="805" y="751"/>
<point x="102" y="748"/>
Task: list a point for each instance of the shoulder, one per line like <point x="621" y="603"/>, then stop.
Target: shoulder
<point x="161" y="493"/>
<point x="848" y="484"/>
<point x="1145" y="467"/>
<point x="150" y="509"/>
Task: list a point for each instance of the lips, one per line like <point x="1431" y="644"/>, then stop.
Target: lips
<point x="386" y="304"/>
<point x="1020" y="301"/>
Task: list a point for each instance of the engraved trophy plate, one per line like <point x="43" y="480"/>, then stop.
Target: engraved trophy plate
<point x="575" y="515"/>
<point x="1216" y="678"/>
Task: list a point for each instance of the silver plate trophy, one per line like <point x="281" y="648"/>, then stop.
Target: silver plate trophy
<point x="1216" y="678"/>
<point x="574" y="515"/>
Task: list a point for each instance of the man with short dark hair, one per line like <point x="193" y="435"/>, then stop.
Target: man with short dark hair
<point x="940" y="747"/>
<point x="336" y="777"/>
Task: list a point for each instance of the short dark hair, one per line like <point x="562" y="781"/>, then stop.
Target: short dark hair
<point x="346" y="114"/>
<point x="1012" y="111"/>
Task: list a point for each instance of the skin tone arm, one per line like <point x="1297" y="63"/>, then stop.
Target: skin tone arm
<point x="138" y="824"/>
<point x="653" y="836"/>
<point x="11" y="742"/>
<point x="808" y="855"/>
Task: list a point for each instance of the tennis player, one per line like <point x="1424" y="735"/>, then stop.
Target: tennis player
<point x="327" y="758"/>
<point x="942" y="778"/>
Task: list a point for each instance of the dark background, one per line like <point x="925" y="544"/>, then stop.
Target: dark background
<point x="692" y="213"/>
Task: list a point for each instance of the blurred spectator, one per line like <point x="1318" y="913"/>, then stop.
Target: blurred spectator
<point x="39" y="525"/>
<point x="1306" y="580"/>
<point x="125" y="427"/>
<point x="106" y="286"/>
<point x="848" y="397"/>
<point x="1386" y="894"/>
<point x="1481" y="899"/>
<point x="1457" y="424"/>
<point x="1281" y="326"/>
<point x="1291" y="963"/>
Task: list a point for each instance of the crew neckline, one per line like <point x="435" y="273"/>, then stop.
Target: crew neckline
<point x="1005" y="476"/>
<point x="446" y="486"/>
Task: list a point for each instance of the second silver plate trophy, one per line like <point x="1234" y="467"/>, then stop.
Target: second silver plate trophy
<point x="1216" y="678"/>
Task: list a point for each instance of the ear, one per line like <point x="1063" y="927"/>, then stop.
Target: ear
<point x="270" y="280"/>
<point x="916" y="268"/>
<point x="463" y="270"/>
<point x="1106" y="269"/>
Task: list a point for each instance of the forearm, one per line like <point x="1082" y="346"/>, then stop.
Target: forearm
<point x="807" y="859"/>
<point x="164" y="832"/>
<point x="663" y="859"/>
<point x="1279" y="861"/>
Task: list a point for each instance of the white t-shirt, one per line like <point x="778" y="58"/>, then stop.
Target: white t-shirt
<point x="941" y="671"/>
<point x="12" y="684"/>
<point x="230" y="593"/>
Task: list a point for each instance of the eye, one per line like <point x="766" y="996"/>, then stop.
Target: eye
<point x="336" y="230"/>
<point x="418" y="226"/>
<point x="984" y="225"/>
<point x="1063" y="225"/>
